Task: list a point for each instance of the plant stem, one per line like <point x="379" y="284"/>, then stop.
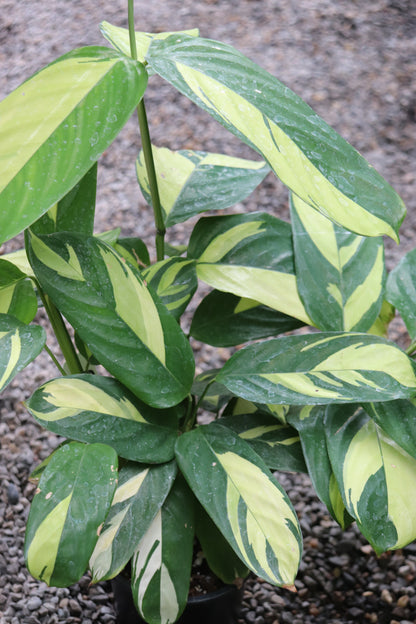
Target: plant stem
<point x="62" y="335"/>
<point x="411" y="348"/>
<point x="54" y="360"/>
<point x="147" y="151"/>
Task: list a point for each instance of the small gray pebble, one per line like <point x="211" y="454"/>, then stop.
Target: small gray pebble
<point x="12" y="494"/>
<point x="34" y="603"/>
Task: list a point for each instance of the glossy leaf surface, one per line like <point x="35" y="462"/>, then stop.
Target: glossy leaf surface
<point x="340" y="275"/>
<point x="71" y="502"/>
<point x="74" y="212"/>
<point x="19" y="345"/>
<point x="91" y="408"/>
<point x="278" y="445"/>
<point x="174" y="281"/>
<point x="401" y="290"/>
<point x="320" y="368"/>
<point x="88" y="94"/>
<point x="191" y="182"/>
<point x="161" y="565"/>
<point x="398" y="420"/>
<point x="250" y="256"/>
<point x="224" y="320"/>
<point x="107" y="302"/>
<point x="246" y="503"/>
<point x="17" y="294"/>
<point x="140" y="494"/>
<point x="377" y="478"/>
<point x="306" y="154"/>
<point x="309" y="422"/>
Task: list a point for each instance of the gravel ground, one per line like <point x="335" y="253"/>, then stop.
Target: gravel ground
<point x="354" y="63"/>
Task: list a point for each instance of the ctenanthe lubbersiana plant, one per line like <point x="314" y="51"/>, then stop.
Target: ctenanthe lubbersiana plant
<point x="137" y="477"/>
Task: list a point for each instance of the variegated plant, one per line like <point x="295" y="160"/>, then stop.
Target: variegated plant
<point x="137" y="478"/>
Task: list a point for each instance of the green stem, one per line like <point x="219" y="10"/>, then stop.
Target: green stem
<point x="62" y="335"/>
<point x="147" y="151"/>
<point x="411" y="348"/>
<point x="54" y="360"/>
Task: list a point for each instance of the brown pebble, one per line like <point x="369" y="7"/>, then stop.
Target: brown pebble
<point x="386" y="596"/>
<point x="403" y="601"/>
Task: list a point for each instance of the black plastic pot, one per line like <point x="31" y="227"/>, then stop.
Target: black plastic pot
<point x="221" y="606"/>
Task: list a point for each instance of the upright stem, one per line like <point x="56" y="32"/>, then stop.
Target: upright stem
<point x="147" y="150"/>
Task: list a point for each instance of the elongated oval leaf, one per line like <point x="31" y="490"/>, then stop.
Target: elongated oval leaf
<point x="377" y="478"/>
<point x="246" y="503"/>
<point x="224" y="320"/>
<point x="278" y="445"/>
<point x="401" y="290"/>
<point x="91" y="408"/>
<point x="19" y="345"/>
<point x="127" y="329"/>
<point x="161" y="565"/>
<point x="191" y="182"/>
<point x="340" y="275"/>
<point x="250" y="256"/>
<point x="174" y="281"/>
<point x="55" y="125"/>
<point x="71" y="502"/>
<point x="306" y="154"/>
<point x="309" y="422"/>
<point x="140" y="494"/>
<point x="320" y="368"/>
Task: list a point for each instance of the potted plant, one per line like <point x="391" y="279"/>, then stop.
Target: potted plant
<point x="138" y="476"/>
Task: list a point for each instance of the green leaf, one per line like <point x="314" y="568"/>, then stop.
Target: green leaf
<point x="213" y="396"/>
<point x="140" y="493"/>
<point x="134" y="250"/>
<point x="120" y="39"/>
<point x="74" y="212"/>
<point x="218" y="553"/>
<point x="320" y="368"/>
<point x="305" y="153"/>
<point x="91" y="408"/>
<point x="174" y="280"/>
<point x="250" y="256"/>
<point x="278" y="445"/>
<point x="71" y="502"/>
<point x="225" y="320"/>
<point x="55" y="125"/>
<point x="340" y="276"/>
<point x="401" y="290"/>
<point x="19" y="345"/>
<point x="377" y="478"/>
<point x="240" y="407"/>
<point x="161" y="565"/>
<point x="309" y="422"/>
<point x="125" y="326"/>
<point x="398" y="420"/>
<point x="192" y="182"/>
<point x="246" y="503"/>
<point x="17" y="294"/>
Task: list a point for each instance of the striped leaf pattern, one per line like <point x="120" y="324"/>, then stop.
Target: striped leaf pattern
<point x="192" y="182"/>
<point x="174" y="281"/>
<point x="19" y="345"/>
<point x="376" y="477"/>
<point x="320" y="368"/>
<point x="238" y="407"/>
<point x="309" y="422"/>
<point x="250" y="256"/>
<point x="398" y="420"/>
<point x="306" y="154"/>
<point x="138" y="498"/>
<point x="89" y="94"/>
<point x="120" y="40"/>
<point x="224" y="320"/>
<point x="340" y="276"/>
<point x="74" y="212"/>
<point x="91" y="408"/>
<point x="70" y="504"/>
<point x="246" y="503"/>
<point x="401" y="290"/>
<point x="125" y="326"/>
<point x="278" y="445"/>
<point x="17" y="295"/>
<point x="161" y="565"/>
<point x="213" y="396"/>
